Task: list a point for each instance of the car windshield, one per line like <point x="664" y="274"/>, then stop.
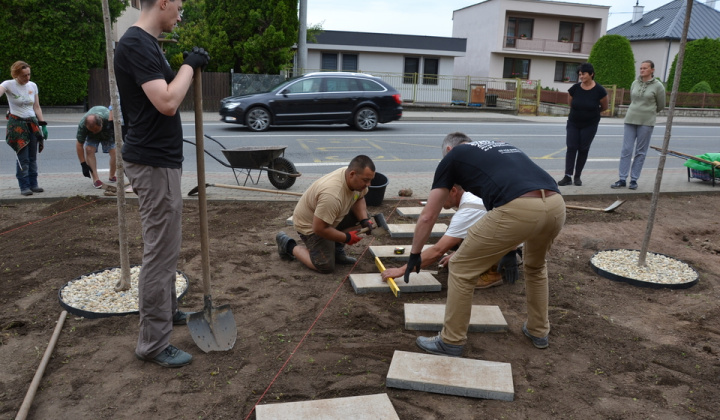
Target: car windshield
<point x="282" y="85"/>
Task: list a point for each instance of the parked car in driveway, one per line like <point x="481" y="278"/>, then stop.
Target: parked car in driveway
<point x="359" y="100"/>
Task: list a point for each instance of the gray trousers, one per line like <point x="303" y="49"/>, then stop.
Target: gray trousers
<point x="636" y="140"/>
<point x="160" y="202"/>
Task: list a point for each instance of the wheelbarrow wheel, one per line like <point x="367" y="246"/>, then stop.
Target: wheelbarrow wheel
<point x="280" y="181"/>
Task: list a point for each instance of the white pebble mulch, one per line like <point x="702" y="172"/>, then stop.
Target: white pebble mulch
<point x="659" y="268"/>
<point x="96" y="292"/>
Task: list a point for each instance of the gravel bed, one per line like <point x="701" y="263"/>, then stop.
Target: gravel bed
<point x="659" y="268"/>
<point x="95" y="292"/>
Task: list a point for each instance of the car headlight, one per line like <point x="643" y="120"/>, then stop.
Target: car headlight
<point x="232" y="105"/>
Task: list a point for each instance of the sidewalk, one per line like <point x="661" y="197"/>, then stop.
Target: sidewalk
<point x="595" y="183"/>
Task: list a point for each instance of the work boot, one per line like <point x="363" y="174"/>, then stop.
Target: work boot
<point x="171" y="357"/>
<point x="343" y="259"/>
<point x="488" y="279"/>
<point x="282" y="242"/>
<point x="435" y="345"/>
<point x="541" y="343"/>
<point x="565" y="181"/>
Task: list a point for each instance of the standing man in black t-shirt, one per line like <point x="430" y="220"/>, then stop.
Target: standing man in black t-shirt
<point x="151" y="93"/>
<point x="524" y="206"/>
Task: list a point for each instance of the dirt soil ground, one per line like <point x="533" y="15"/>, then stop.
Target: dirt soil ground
<point x="616" y="351"/>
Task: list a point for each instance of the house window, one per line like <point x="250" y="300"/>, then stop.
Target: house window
<point x="329" y="62"/>
<point x="516" y="67"/>
<point x="430" y="71"/>
<point x="566" y="72"/>
<point x="518" y="28"/>
<point x="571" y="32"/>
<point x="412" y="68"/>
<point x="349" y="62"/>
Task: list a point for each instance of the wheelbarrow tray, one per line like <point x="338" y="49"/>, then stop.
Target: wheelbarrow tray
<point x="253" y="157"/>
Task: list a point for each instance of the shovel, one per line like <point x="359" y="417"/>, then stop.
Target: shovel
<point x="608" y="209"/>
<point x="213" y="329"/>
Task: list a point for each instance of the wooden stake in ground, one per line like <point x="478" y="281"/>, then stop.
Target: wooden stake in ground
<point x="666" y="139"/>
<point x="124" y="282"/>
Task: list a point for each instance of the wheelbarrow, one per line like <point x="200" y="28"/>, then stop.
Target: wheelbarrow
<point x="243" y="160"/>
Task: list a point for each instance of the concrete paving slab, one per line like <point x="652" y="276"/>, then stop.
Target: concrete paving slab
<point x="365" y="407"/>
<point x="373" y="282"/>
<point x="407" y="230"/>
<point x="414" y="212"/>
<point x="289" y="221"/>
<point x="451" y="376"/>
<point x="388" y="251"/>
<point x="430" y="317"/>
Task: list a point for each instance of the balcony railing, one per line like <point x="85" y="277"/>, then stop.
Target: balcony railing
<point x="547" y="45"/>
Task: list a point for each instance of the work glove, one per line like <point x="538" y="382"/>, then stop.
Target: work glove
<point x="86" y="169"/>
<point x="197" y="58"/>
<point x="352" y="237"/>
<point x="508" y="267"/>
<point x="367" y="223"/>
<point x="413" y="264"/>
<point x="43" y="128"/>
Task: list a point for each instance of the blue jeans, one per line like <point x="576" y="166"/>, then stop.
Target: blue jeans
<point x="26" y="170"/>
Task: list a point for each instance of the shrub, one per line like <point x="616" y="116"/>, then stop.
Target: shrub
<point x="701" y="87"/>
<point x="614" y="61"/>
<point x="701" y="64"/>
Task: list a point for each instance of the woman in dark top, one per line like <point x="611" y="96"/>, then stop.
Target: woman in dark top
<point x="587" y="100"/>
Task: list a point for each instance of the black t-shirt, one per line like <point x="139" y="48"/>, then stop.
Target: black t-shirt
<point x="152" y="138"/>
<point x="495" y="171"/>
<point x="585" y="104"/>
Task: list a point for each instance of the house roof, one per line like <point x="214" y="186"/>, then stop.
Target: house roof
<point x="666" y="22"/>
<point x="410" y="42"/>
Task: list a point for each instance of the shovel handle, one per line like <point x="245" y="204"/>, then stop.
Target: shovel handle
<point x="202" y="198"/>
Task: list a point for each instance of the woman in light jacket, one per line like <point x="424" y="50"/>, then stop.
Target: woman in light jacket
<point x="647" y="98"/>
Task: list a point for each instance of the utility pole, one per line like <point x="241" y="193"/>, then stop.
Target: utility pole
<point x="302" y="39"/>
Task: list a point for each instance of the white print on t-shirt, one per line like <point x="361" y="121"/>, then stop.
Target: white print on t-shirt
<point x="486" y="145"/>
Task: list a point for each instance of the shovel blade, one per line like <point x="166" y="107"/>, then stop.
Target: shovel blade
<point x="614" y="205"/>
<point x="213" y="329"/>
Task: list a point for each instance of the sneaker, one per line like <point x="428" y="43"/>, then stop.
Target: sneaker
<point x="435" y="345"/>
<point x="565" y="181"/>
<point x="171" y="357"/>
<point x="577" y="181"/>
<point x="489" y="279"/>
<point x="541" y="343"/>
<point x="98" y="184"/>
<point x="180" y="317"/>
<point x="619" y="184"/>
<point x="343" y="259"/>
<point x="282" y="242"/>
<point x="112" y="180"/>
<point x="36" y="189"/>
<point x="26" y="191"/>
<point x="633" y="185"/>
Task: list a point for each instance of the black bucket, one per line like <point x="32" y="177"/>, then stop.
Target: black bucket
<point x="376" y="191"/>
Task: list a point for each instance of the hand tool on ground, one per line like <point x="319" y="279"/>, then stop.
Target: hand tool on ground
<point x="390" y="281"/>
<point x="608" y="209"/>
<point x="678" y="154"/>
<point x="213" y="328"/>
<point x="238" y="187"/>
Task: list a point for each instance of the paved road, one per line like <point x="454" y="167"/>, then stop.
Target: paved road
<point x="59" y="184"/>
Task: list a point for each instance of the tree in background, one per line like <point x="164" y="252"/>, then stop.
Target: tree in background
<point x="60" y="39"/>
<point x="247" y="36"/>
<point x="614" y="61"/>
<point x="701" y="64"/>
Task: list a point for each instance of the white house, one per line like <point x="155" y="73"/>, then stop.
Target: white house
<point x="656" y="35"/>
<point x="528" y="39"/>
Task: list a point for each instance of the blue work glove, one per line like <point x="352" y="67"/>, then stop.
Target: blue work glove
<point x="352" y="237"/>
<point x="413" y="264"/>
<point x="197" y="58"/>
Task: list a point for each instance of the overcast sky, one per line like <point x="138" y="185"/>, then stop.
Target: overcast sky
<point x="426" y="17"/>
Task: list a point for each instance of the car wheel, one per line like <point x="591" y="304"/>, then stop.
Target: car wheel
<point x="365" y="119"/>
<point x="257" y="119"/>
<point x="281" y="181"/>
